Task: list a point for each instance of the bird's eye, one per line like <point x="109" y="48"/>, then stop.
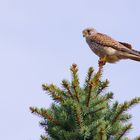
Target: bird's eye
<point x="88" y="31"/>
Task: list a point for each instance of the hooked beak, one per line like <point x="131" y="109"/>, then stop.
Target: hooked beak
<point x="83" y="35"/>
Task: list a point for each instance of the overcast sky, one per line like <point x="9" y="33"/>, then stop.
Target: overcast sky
<point x="40" y="39"/>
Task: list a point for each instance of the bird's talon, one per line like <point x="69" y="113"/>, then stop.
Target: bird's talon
<point x="102" y="62"/>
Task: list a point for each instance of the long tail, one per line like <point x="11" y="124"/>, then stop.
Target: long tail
<point x="138" y="52"/>
<point x="131" y="53"/>
<point x="134" y="56"/>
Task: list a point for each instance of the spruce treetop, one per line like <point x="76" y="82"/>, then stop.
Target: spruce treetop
<point x="84" y="113"/>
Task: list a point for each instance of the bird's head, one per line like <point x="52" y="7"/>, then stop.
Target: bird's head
<point x="89" y="31"/>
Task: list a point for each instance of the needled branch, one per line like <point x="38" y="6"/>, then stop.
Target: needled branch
<point x="75" y="80"/>
<point x="76" y="93"/>
<point x="125" y="107"/>
<point x="102" y="134"/>
<point x="125" y="117"/>
<point x="54" y="91"/>
<point x="95" y="111"/>
<point x="105" y="98"/>
<point x="89" y="93"/>
<point x="78" y="116"/>
<point x="119" y="112"/>
<point x="93" y="84"/>
<point x="99" y="73"/>
<point x="124" y="131"/>
<point x="133" y="102"/>
<point x="43" y="113"/>
<point x="115" y="107"/>
<point x="102" y="86"/>
<point x="67" y="87"/>
<point x="88" y="78"/>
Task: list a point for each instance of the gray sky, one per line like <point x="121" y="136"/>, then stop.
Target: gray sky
<point x="40" y="39"/>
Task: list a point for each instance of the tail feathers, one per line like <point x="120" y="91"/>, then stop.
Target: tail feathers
<point x="126" y="45"/>
<point x="129" y="46"/>
<point x="133" y="57"/>
<point x="138" y="52"/>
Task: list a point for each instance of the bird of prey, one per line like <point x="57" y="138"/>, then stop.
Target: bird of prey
<point x="109" y="49"/>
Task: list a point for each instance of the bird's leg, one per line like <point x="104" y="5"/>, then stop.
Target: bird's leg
<point x="102" y="61"/>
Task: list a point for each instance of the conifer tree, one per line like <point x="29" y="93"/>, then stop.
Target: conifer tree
<point x="84" y="113"/>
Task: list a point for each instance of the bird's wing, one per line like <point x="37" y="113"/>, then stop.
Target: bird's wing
<point x="104" y="40"/>
<point x="107" y="41"/>
<point x="126" y="45"/>
<point x="129" y="46"/>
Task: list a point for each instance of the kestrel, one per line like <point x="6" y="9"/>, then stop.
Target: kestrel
<point x="108" y="48"/>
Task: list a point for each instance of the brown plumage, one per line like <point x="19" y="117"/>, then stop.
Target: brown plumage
<point x="105" y="46"/>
